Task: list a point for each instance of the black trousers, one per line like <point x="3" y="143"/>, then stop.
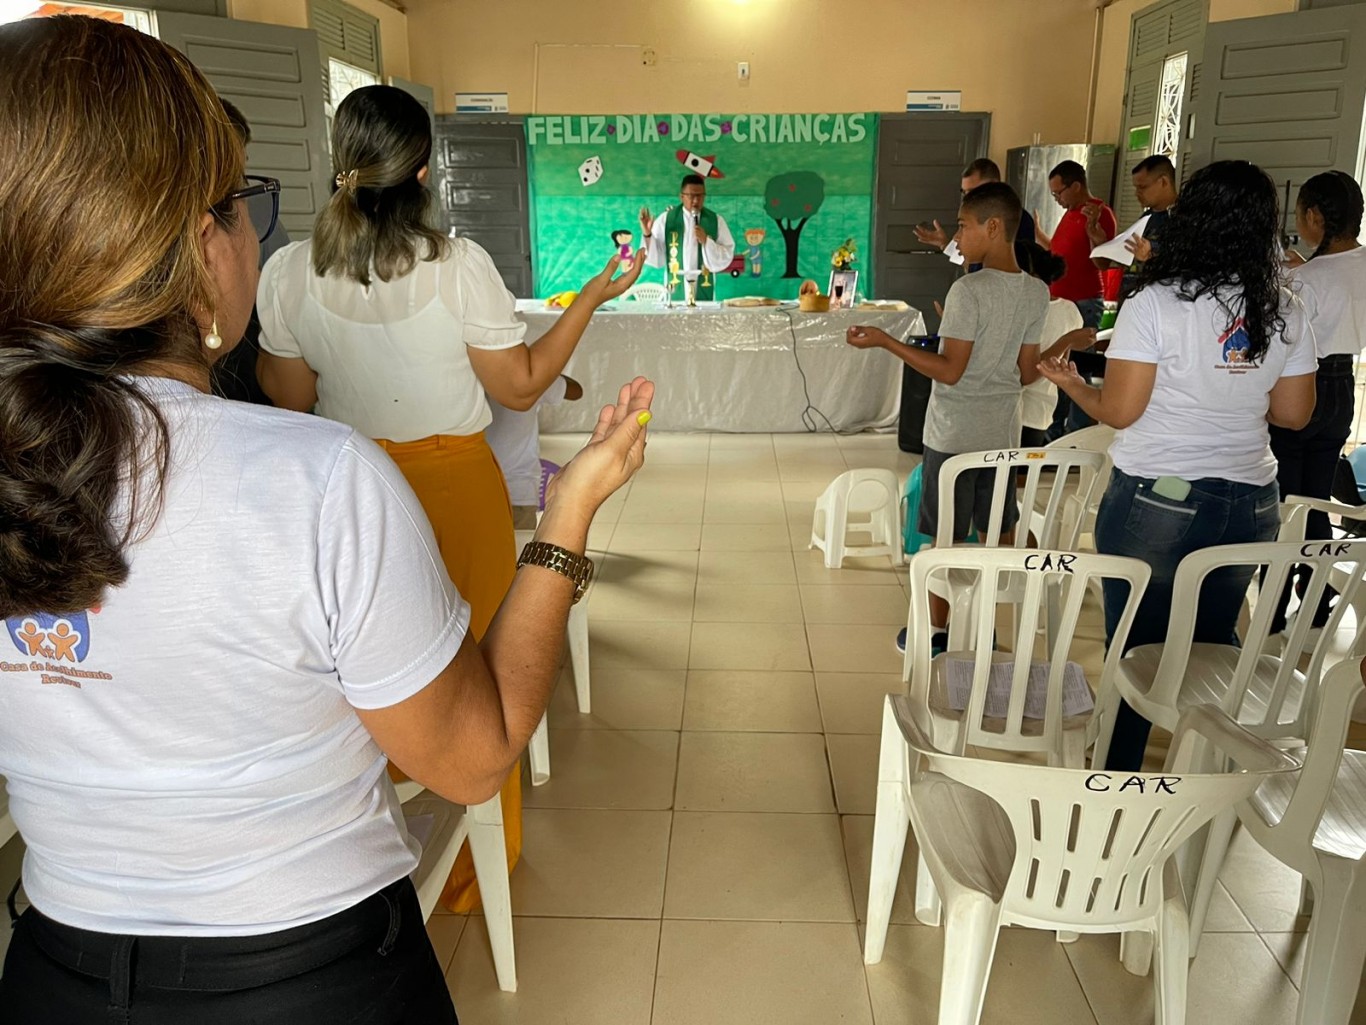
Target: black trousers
<point x="1307" y="459"/>
<point x="371" y="963"/>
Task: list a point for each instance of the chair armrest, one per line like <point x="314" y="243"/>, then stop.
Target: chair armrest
<point x="1215" y="728"/>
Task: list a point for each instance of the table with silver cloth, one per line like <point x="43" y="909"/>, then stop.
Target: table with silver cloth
<point x="725" y="369"/>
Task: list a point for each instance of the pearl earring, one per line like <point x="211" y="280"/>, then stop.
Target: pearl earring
<point x="213" y="340"/>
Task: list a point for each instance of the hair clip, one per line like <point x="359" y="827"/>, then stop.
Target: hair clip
<point x="347" y="181"/>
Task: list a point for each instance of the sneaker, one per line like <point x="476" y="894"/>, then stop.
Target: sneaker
<point x="939" y="642"/>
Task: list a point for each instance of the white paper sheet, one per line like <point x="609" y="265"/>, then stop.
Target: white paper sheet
<point x="1076" y="695"/>
<point x="1114" y="249"/>
<point x="951" y="251"/>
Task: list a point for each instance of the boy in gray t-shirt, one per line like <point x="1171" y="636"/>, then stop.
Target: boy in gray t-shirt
<point x="988" y="351"/>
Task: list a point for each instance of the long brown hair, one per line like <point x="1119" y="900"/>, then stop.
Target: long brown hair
<point x="379" y="213"/>
<point x="112" y="148"/>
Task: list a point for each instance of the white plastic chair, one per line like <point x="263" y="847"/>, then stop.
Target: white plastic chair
<point x="1317" y="826"/>
<point x="7" y="827"/>
<point x="1084" y="500"/>
<point x="1075" y="474"/>
<point x="1049" y="848"/>
<point x="1037" y="584"/>
<point x="446" y="827"/>
<point x="1271" y="695"/>
<point x="863" y="501"/>
<point x="647" y="292"/>
<point x="1295" y="519"/>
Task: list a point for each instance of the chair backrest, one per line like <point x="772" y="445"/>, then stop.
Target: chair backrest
<point x="1096" y="438"/>
<point x="1276" y="559"/>
<point x="1091" y="847"/>
<point x="1039" y="583"/>
<point x="1295" y="511"/>
<point x="1331" y="718"/>
<point x="548" y="470"/>
<point x="1076" y="473"/>
<point x="647" y="292"/>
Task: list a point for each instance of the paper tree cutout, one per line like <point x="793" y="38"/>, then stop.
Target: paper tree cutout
<point x="792" y="199"/>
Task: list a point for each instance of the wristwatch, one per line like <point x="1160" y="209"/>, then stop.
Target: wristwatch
<point x="578" y="568"/>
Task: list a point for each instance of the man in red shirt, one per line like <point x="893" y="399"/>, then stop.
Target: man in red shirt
<point x="1087" y="223"/>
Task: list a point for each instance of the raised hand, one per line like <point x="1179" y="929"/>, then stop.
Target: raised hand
<point x="1061" y="370"/>
<point x="602" y="287"/>
<point x="935" y="236"/>
<point x="1140" y="247"/>
<point x="646" y="221"/>
<point x="612" y="456"/>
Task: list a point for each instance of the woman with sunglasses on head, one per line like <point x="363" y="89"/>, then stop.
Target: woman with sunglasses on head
<point x="220" y="619"/>
<point x="1209" y="350"/>
<point x="382" y="322"/>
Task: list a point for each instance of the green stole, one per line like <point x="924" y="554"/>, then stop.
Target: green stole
<point x="673" y="225"/>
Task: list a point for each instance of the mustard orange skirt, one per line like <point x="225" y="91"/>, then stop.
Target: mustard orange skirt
<point x="458" y="482"/>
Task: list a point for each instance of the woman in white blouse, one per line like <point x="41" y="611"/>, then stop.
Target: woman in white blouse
<point x="1332" y="286"/>
<point x="382" y="322"/>
<point x="1208" y="351"/>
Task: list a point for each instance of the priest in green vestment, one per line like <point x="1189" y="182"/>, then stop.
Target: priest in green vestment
<point x="703" y="237"/>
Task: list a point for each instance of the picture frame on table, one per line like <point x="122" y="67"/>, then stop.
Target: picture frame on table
<point x="843" y="287"/>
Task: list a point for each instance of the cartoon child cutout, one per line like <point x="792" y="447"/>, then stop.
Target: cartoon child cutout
<point x="754" y="238"/>
<point x="622" y="239"/>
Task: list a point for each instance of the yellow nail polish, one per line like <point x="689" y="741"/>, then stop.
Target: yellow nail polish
<point x="644" y="417"/>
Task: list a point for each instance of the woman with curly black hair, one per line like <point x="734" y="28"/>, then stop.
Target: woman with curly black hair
<point x="1332" y="285"/>
<point x="1208" y="351"/>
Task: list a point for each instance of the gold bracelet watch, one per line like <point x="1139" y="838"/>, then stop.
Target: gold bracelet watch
<point x="578" y="568"/>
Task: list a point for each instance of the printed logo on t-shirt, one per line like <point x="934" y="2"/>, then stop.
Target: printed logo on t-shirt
<point x="1235" y="347"/>
<point x="54" y="645"/>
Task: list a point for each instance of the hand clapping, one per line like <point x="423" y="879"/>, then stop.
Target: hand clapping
<point x="1061" y="370"/>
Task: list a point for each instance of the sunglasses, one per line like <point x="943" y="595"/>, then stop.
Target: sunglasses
<point x="263" y="203"/>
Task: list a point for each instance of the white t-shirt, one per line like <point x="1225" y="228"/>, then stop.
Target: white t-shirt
<point x="1207" y="414"/>
<point x="515" y="438"/>
<point x="389" y="356"/>
<point x="1333" y="288"/>
<point x="1037" y="400"/>
<point x="186" y="758"/>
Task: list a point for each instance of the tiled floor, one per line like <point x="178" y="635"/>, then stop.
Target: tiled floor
<point x="700" y="854"/>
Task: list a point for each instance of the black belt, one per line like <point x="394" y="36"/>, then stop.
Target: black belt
<point x="216" y="963"/>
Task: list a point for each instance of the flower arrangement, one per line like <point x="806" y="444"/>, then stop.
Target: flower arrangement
<point x="844" y="256"/>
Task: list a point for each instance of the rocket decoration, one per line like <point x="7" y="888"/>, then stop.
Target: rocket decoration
<point x="705" y="166"/>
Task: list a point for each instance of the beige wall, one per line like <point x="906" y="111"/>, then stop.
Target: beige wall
<point x="1025" y="61"/>
<point x="1114" y="49"/>
<point x="393" y="25"/>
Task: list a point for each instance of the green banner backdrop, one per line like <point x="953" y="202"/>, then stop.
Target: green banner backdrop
<point x="792" y="187"/>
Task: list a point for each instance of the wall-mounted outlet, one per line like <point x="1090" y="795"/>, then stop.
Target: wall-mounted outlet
<point x="648" y="57"/>
<point x="742" y="71"/>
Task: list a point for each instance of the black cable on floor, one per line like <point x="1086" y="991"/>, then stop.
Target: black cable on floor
<point x="808" y="421"/>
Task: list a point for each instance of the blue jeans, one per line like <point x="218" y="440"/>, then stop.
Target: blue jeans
<point x="1160" y="531"/>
